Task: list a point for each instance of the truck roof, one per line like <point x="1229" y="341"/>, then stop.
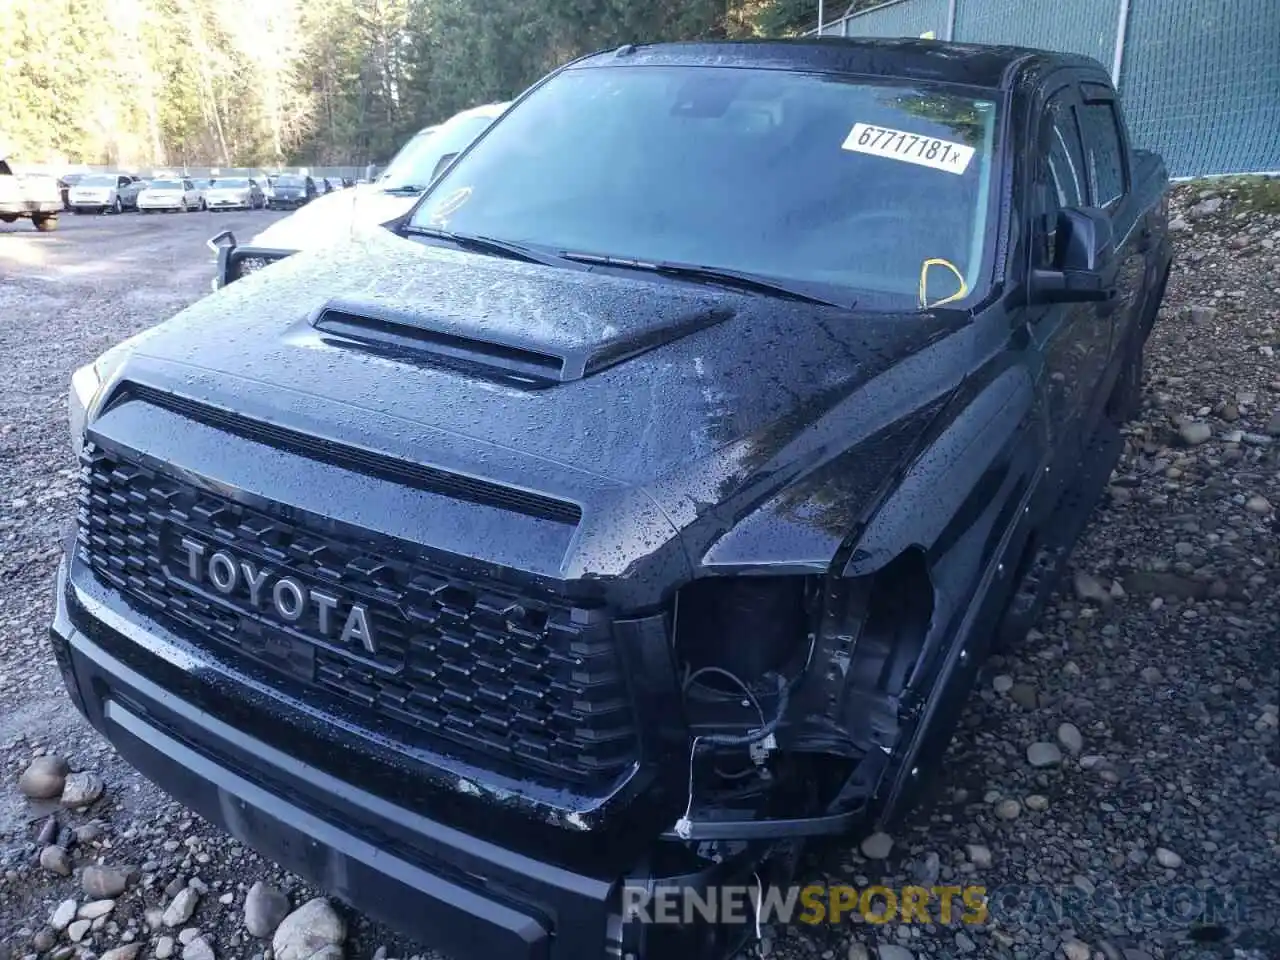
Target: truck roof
<point x="978" y="65"/>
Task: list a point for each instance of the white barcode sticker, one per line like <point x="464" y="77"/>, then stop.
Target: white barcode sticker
<point x="909" y="147"/>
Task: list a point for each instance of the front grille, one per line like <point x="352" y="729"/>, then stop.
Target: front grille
<point x="517" y="684"/>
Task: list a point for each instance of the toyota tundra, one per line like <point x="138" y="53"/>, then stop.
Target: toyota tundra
<point x="636" y="507"/>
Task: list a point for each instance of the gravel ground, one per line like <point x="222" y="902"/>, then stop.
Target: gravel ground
<point x="1148" y="692"/>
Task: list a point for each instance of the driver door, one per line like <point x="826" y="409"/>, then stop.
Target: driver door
<point x="1073" y="338"/>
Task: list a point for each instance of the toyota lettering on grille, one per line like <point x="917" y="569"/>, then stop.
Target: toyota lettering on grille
<point x="289" y="598"/>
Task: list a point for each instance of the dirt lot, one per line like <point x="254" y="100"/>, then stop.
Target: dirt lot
<point x="1155" y="669"/>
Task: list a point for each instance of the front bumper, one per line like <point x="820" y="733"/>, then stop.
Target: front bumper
<point x="161" y="204"/>
<point x="229" y="204"/>
<point x="453" y="891"/>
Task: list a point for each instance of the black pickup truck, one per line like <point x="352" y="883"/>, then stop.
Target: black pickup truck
<point x="639" y="505"/>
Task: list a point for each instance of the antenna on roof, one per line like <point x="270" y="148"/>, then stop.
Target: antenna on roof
<point x="625" y="50"/>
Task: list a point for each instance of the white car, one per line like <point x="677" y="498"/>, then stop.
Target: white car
<point x="334" y="216"/>
<point x="263" y="180"/>
<point x="105" y="192"/>
<point x="234" y="193"/>
<point x="176" y="194"/>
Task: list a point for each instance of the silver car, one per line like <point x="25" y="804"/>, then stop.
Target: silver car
<point x="105" y="192"/>
<point x="178" y="193"/>
<point x="234" y="193"/>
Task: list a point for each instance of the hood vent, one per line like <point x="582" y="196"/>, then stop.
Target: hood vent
<point x="503" y="347"/>
<point x="407" y="337"/>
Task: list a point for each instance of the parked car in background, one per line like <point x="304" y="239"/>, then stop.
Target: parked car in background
<point x="105" y="193"/>
<point x="202" y="185"/>
<point x="234" y="193"/>
<point x="176" y="194"/>
<point x="265" y="183"/>
<point x="333" y="218"/>
<point x="65" y="183"/>
<point x="291" y="191"/>
<point x="29" y="196"/>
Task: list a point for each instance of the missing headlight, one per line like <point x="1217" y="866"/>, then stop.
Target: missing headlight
<point x="745" y="626"/>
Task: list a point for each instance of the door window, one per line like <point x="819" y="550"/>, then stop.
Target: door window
<point x="1066" y="164"/>
<point x="1105" y="154"/>
<point x="1060" y="174"/>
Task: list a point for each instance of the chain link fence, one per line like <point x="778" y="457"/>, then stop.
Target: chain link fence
<point x="1200" y="78"/>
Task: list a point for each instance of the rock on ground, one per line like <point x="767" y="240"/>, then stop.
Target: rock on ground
<point x="95" y="909"/>
<point x="44" y="778"/>
<point x="82" y="789"/>
<point x="104" y="882"/>
<point x="1044" y="754"/>
<point x="181" y="907"/>
<point x="1070" y="738"/>
<point x="314" y="931"/>
<point x="62" y="915"/>
<point x="55" y="860"/>
<point x="877" y="846"/>
<point x="264" y="908"/>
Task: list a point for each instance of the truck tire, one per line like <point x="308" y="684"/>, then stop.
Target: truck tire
<point x="45" y="224"/>
<point x="118" y="206"/>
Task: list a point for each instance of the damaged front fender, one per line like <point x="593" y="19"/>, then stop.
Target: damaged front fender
<point x="896" y="628"/>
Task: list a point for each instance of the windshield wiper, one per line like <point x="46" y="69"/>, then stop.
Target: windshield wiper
<point x="494" y="246"/>
<point x="404" y="190"/>
<point x="737" y="279"/>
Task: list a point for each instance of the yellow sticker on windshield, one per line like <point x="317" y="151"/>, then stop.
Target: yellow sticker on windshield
<point x="923" y="296"/>
<point x="945" y="155"/>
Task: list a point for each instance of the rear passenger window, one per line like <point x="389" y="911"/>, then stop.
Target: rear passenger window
<point x="1100" y="128"/>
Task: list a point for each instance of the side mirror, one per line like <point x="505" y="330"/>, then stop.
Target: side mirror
<point x="1085" y="248"/>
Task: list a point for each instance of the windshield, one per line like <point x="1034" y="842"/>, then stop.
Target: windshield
<point x="419" y="159"/>
<point x="883" y="189"/>
<point x="164" y="185"/>
<point x="231" y="183"/>
<point x="98" y="180"/>
<point x="288" y="182"/>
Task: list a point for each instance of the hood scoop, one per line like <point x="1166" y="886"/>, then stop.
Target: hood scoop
<point x="504" y="347"/>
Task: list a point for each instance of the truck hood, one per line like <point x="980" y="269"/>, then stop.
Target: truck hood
<point x="333" y="218"/>
<point x="575" y="385"/>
